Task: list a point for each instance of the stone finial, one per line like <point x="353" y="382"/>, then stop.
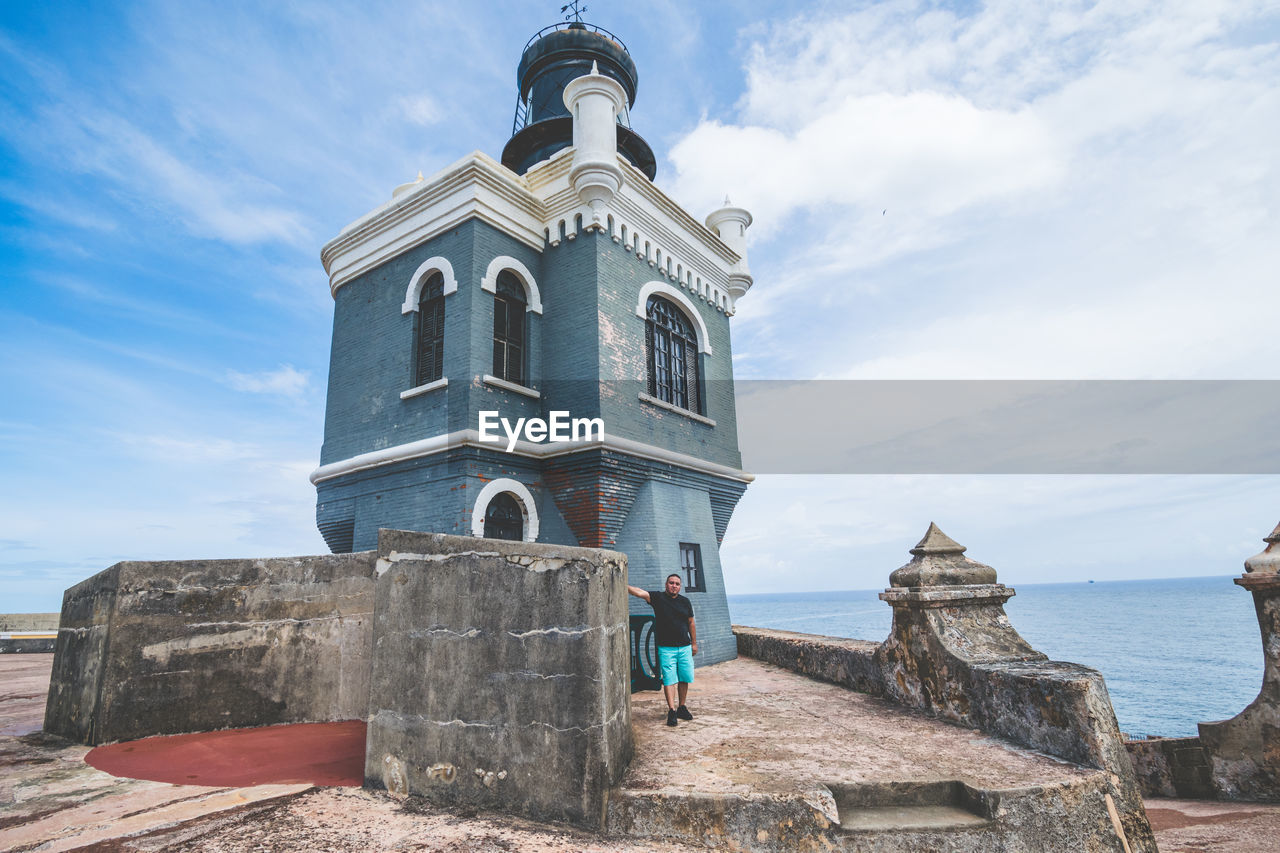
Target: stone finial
<point x="1268" y="560"/>
<point x="938" y="560"/>
<point x="404" y="188"/>
<point x="937" y="542"/>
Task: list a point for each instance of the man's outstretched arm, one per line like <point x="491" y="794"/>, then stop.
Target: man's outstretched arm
<point x="638" y="592"/>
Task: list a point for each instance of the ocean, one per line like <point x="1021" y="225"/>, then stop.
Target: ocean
<point x="1174" y="652"/>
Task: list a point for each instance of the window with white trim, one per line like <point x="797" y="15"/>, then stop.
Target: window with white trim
<point x="671" y="350"/>
<point x="428" y="361"/>
<point x="509" y="328"/>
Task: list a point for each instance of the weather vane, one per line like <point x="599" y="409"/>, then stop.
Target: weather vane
<point x="576" y="14"/>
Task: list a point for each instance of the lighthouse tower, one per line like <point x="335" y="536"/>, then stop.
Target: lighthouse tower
<point x="558" y="286"/>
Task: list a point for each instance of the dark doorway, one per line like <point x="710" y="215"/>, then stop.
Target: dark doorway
<point x="503" y="519"/>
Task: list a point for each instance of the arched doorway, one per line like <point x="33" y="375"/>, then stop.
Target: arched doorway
<point x="503" y="518"/>
<point x="505" y="509"/>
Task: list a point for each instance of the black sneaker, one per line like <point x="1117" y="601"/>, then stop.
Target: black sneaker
<point x="671" y="718"/>
<point x="683" y="713"/>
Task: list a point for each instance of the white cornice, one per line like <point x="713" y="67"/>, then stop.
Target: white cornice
<point x="476" y="186"/>
<point x="683" y="224"/>
<point x="533" y="208"/>
<point x="471" y="438"/>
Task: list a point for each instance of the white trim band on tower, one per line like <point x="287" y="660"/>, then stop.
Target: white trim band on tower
<point x="523" y="496"/>
<point x="471" y="438"/>
<point x="661" y="288"/>
<point x="489" y="283"/>
<point x="419" y="278"/>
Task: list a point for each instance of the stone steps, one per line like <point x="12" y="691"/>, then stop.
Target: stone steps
<point x="885" y="817"/>
<point x="909" y="817"/>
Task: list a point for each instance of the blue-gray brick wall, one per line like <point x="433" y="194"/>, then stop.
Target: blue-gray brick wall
<point x="586" y="355"/>
<point x="586" y="350"/>
<point x="663" y="516"/>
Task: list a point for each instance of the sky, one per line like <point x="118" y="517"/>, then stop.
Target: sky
<point x="943" y="191"/>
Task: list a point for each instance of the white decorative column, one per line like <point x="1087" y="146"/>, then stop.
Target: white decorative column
<point x="595" y="101"/>
<point x="730" y="224"/>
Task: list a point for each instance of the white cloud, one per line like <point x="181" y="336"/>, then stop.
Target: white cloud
<point x="1027" y="190"/>
<point x="220" y="204"/>
<point x="421" y="109"/>
<point x="286" y="380"/>
<point x="921" y="155"/>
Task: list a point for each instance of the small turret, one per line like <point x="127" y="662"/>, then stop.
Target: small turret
<point x="595" y="101"/>
<point x="730" y="224"/>
<point x="1268" y="561"/>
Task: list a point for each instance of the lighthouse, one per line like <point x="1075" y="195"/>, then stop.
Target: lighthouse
<point x="537" y="347"/>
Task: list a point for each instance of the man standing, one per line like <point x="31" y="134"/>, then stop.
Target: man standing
<point x="677" y="643"/>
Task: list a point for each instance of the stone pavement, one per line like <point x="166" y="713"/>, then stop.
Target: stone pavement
<point x="51" y="800"/>
<point x="763" y="729"/>
<point x="1203" y="826"/>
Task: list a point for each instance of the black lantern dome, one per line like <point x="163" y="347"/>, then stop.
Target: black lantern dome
<point x="554" y="57"/>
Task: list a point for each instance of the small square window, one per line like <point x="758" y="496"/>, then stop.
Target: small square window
<point x="691" y="567"/>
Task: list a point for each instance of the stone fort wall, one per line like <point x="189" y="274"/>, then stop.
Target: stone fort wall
<point x="148" y="648"/>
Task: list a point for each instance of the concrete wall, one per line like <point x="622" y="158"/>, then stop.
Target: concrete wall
<point x="29" y="621"/>
<point x="24" y="625"/>
<point x="500" y="675"/>
<point x="148" y="648"/>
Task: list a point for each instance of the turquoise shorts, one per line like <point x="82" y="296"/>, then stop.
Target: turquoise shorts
<point x="676" y="663"/>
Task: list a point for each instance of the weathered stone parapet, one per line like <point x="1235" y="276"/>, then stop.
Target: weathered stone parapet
<point x="147" y="648"/>
<point x="849" y="663"/>
<point x="1244" y="752"/>
<point x="953" y="652"/>
<point x="1171" y="767"/>
<point x="500" y="675"/>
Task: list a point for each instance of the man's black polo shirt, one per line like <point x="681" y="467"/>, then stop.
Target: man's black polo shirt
<point x="670" y="618"/>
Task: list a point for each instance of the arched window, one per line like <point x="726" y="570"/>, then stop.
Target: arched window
<point x="508" y="328"/>
<point x="672" y="351"/>
<point x="503" y="518"/>
<point x="429" y="350"/>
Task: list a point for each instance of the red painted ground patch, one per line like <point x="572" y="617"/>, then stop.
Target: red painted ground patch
<point x="328" y="754"/>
